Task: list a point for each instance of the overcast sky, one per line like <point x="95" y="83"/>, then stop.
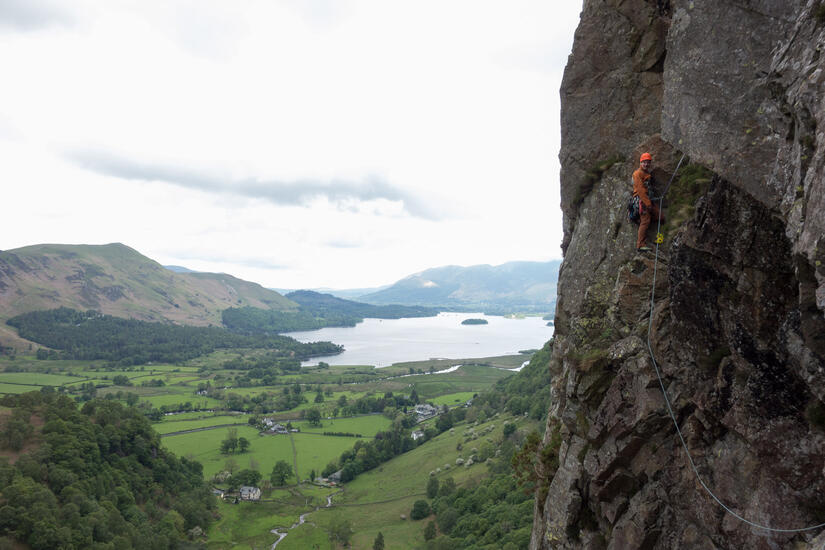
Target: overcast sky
<point x="294" y="143"/>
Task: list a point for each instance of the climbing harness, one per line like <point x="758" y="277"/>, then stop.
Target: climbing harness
<point x="664" y="392"/>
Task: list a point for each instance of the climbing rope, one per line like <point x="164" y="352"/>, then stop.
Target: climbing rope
<point x="664" y="392"/>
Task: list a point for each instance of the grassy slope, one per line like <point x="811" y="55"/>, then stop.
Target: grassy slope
<point x="375" y="500"/>
<point x="118" y="280"/>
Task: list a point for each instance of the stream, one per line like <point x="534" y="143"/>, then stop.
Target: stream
<point x="301" y="520"/>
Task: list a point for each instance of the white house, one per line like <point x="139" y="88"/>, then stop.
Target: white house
<point x="250" y="493"/>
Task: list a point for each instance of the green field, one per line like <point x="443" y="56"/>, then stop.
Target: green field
<point x="35" y="378"/>
<point x="308" y="451"/>
<point x="452" y="399"/>
<point x="198" y="401"/>
<point x="204" y="447"/>
<point x="365" y="425"/>
<point x="170" y="426"/>
<point x="193" y="415"/>
<point x="17" y="388"/>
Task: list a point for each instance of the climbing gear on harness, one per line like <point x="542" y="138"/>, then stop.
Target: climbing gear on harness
<point x="633" y="213"/>
<point x="667" y="399"/>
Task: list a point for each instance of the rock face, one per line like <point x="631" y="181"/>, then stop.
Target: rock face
<point x="738" y="322"/>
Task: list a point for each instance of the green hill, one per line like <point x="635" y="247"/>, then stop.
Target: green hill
<point x="117" y="280"/>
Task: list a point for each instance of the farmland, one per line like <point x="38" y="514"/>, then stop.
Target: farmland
<point x="196" y="406"/>
<point x="376" y="501"/>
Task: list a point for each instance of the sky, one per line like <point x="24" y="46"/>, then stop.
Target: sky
<point x="293" y="143"/>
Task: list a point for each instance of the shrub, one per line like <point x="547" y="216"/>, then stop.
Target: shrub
<point x="420" y="510"/>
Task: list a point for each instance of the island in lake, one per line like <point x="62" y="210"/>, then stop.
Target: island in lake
<point x="474" y="322"/>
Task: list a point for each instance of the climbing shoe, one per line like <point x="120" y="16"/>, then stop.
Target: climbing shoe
<point x="644" y="249"/>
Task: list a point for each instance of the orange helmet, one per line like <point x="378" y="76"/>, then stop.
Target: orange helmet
<point x="646" y="156"/>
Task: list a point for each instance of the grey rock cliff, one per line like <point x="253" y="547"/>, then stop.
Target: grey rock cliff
<point x="738" y="327"/>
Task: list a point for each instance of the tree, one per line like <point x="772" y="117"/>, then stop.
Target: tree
<point x="509" y="429"/>
<point x="313" y="416"/>
<point x="444" y="422"/>
<point x="432" y="487"/>
<point x="121" y="380"/>
<point x="379" y="542"/>
<point x="429" y="530"/>
<point x="245" y="477"/>
<point x="447" y="519"/>
<point x="229" y="444"/>
<point x="340" y="531"/>
<point x="230" y="465"/>
<point x="420" y="509"/>
<point x="447" y="487"/>
<point x="280" y="473"/>
<point x="17" y="430"/>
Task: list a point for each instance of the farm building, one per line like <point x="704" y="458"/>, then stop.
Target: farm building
<point x="425" y="411"/>
<point x="250" y="493"/>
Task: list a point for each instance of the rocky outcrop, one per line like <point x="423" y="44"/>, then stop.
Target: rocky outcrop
<point x="738" y="323"/>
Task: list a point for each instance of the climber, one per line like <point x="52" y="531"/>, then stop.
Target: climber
<point x="642" y="184"/>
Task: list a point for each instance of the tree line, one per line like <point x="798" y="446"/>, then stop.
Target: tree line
<point x="91" y="335"/>
<point x="316" y="311"/>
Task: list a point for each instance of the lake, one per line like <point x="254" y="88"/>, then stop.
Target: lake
<point x="382" y="342"/>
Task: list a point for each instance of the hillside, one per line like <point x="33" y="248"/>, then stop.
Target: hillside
<point x="94" y="476"/>
<point x="513" y="286"/>
<point x="737" y="325"/>
<point x="321" y="305"/>
<point x="118" y="280"/>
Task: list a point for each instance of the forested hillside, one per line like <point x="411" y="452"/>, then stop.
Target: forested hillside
<point x="316" y="311"/>
<point x="93" y="478"/>
<point x="92" y="335"/>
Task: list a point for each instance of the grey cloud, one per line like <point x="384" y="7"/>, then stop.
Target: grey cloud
<point x="279" y="192"/>
<point x="27" y="15"/>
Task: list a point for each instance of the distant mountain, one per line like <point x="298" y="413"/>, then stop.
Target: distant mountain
<point x="179" y="269"/>
<point x="513" y="286"/>
<point x="322" y="305"/>
<point x="119" y="281"/>
<point x="346" y="294"/>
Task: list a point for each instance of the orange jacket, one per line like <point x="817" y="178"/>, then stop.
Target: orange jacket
<point x="640" y="182"/>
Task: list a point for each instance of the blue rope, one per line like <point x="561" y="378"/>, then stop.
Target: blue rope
<point x="667" y="400"/>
